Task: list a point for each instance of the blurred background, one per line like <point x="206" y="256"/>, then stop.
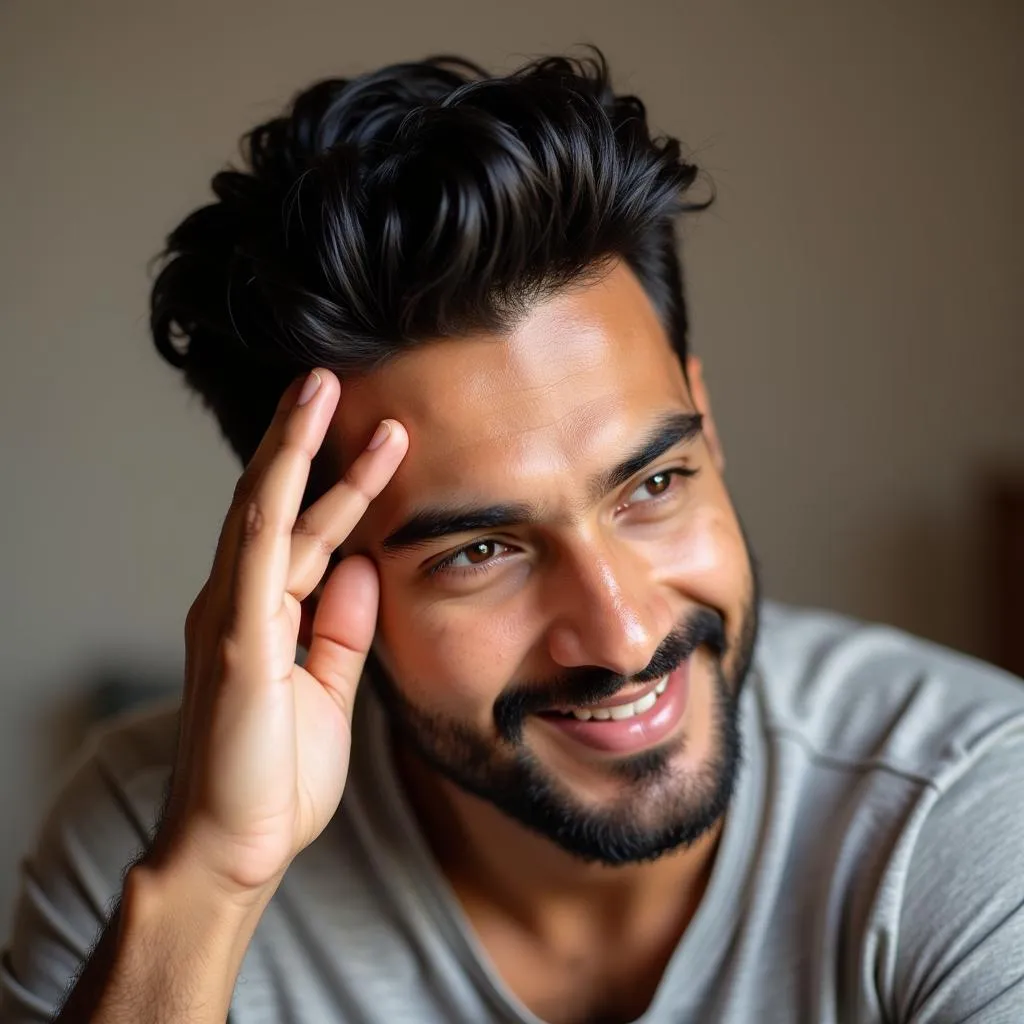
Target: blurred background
<point x="857" y="293"/>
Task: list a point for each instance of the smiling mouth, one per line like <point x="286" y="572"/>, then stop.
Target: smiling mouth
<point x="635" y="719"/>
<point x="616" y="708"/>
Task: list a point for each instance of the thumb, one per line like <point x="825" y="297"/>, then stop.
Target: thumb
<point x="343" y="627"/>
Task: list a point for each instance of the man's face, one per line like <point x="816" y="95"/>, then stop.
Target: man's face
<point x="567" y="601"/>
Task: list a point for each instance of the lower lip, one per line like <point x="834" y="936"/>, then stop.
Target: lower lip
<point x="632" y="735"/>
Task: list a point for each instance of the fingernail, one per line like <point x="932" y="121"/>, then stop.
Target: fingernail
<point x="310" y="388"/>
<point x="380" y="435"/>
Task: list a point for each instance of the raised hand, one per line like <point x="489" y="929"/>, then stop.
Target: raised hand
<point x="264" y="743"/>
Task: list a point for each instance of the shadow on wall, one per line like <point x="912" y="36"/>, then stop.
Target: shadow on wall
<point x="1004" y="557"/>
<point x="934" y="583"/>
<point x="956" y="580"/>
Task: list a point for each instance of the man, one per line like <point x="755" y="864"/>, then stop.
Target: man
<point x="579" y="784"/>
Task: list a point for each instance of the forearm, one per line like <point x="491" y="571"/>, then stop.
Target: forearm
<point x="170" y="955"/>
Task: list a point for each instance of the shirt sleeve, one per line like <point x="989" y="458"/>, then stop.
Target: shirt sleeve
<point x="961" y="936"/>
<point x="70" y="883"/>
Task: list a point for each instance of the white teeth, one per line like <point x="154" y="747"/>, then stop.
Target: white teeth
<point x="621" y="711"/>
<point x="645" y="703"/>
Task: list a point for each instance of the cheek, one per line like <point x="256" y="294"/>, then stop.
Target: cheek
<point x="448" y="656"/>
<point x="707" y="558"/>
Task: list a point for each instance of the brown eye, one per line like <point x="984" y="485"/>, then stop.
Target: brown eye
<point x="658" y="484"/>
<point x="480" y="552"/>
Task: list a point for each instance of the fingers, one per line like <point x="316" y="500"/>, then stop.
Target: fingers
<point x="267" y="514"/>
<point x="322" y="528"/>
<point x="343" y="628"/>
<point x="286" y="407"/>
<point x="266" y="550"/>
<point x="222" y="574"/>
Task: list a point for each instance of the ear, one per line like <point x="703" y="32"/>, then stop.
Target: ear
<point x="701" y="399"/>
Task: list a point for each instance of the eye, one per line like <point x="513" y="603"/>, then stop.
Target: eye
<point x="657" y="485"/>
<point x="476" y="555"/>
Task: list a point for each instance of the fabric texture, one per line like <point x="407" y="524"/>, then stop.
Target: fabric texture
<point x="871" y="867"/>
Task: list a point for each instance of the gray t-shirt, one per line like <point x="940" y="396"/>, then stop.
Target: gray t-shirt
<point x="871" y="867"/>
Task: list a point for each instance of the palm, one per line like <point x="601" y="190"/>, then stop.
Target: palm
<point x="323" y="741"/>
<point x="309" y="748"/>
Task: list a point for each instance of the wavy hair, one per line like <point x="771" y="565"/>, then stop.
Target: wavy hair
<point x="419" y="201"/>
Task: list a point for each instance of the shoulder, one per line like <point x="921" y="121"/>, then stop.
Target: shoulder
<point x="867" y="694"/>
<point x="931" y="743"/>
<point x="960" y="945"/>
<point x="98" y="824"/>
<point x="121" y="773"/>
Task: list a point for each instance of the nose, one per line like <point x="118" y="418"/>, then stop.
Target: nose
<point x="607" y="611"/>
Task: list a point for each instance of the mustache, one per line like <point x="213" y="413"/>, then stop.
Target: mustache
<point x="586" y="685"/>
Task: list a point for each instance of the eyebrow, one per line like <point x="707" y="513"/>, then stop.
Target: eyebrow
<point x="431" y="524"/>
<point x="674" y="429"/>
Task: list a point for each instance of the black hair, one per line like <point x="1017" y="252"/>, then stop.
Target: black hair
<point x="420" y="201"/>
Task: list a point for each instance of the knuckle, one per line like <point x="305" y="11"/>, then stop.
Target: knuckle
<point x="355" y="480"/>
<point x="253" y="522"/>
<point x="304" y="528"/>
<point x="292" y="448"/>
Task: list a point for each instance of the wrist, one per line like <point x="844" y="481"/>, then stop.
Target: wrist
<point x="177" y="883"/>
<point x="187" y="860"/>
<point x="180" y="943"/>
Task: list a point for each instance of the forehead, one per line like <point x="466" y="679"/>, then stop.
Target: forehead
<point x="570" y="386"/>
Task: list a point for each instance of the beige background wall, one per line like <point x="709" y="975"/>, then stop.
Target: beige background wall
<point x="857" y="292"/>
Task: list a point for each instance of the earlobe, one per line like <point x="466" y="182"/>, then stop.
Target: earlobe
<point x="701" y="399"/>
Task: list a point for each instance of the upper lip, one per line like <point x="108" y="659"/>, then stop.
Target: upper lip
<point x="626" y="695"/>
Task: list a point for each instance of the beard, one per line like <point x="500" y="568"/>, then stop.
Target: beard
<point x="661" y="808"/>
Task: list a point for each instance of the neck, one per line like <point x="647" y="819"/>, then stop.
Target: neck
<point x="493" y="861"/>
